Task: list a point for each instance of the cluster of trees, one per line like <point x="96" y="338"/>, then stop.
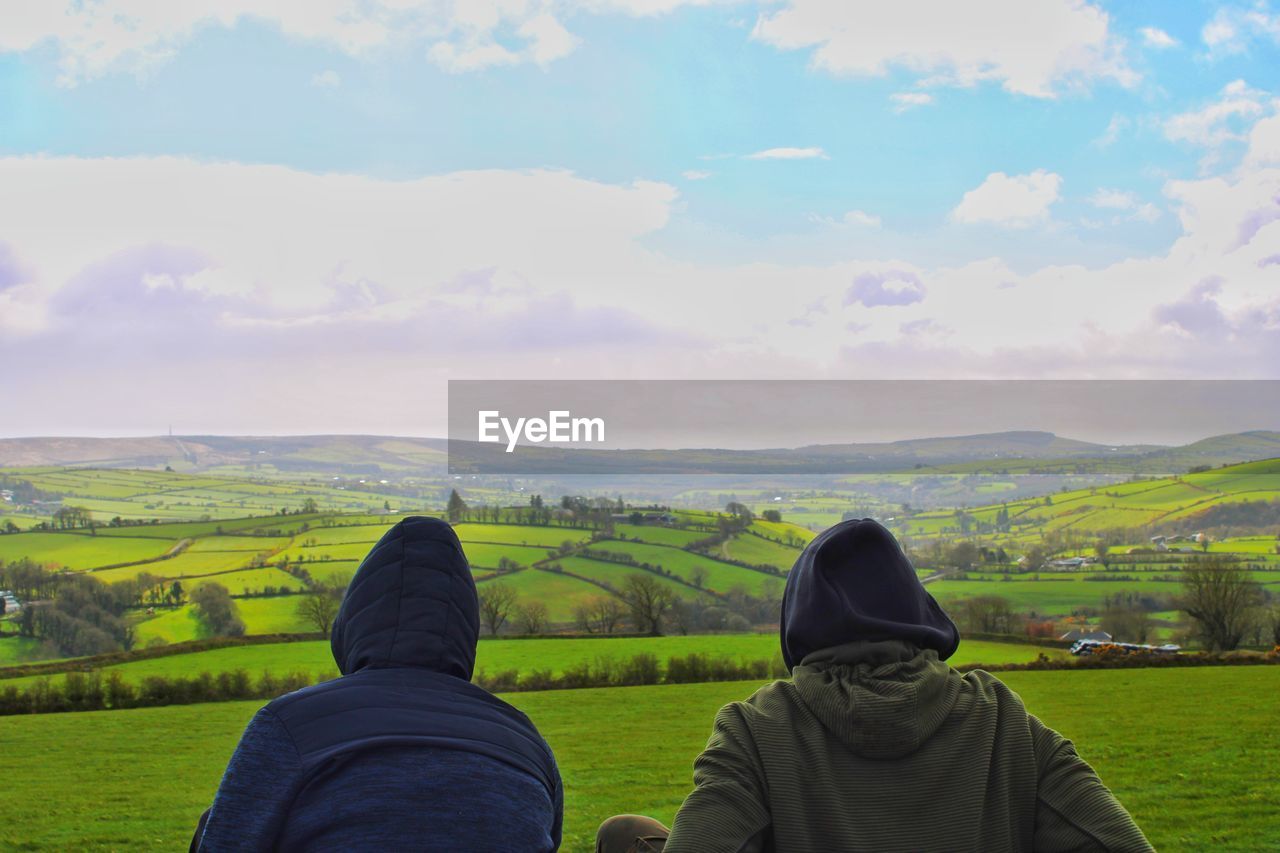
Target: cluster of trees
<point x="573" y="511"/>
<point x="217" y="611"/>
<point x="82" y="616"/>
<point x="71" y="518"/>
<point x="28" y="579"/>
<point x="988" y="614"/>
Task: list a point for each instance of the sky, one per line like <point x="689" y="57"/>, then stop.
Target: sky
<point x="274" y="217"/>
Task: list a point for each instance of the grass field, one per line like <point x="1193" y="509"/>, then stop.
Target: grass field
<point x="759" y="551"/>
<point x="139" y="779"/>
<point x="560" y="593"/>
<point x="79" y="550"/>
<point x="277" y="615"/>
<point x="1048" y="597"/>
<point x="524" y="656"/>
<point x="19" y="650"/>
<point x="718" y="576"/>
<point x="616" y="574"/>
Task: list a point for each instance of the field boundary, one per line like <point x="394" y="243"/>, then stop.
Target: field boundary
<point x="81" y="691"/>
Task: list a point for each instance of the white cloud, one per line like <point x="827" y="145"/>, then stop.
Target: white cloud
<point x="1113" y="199"/>
<point x="789" y="154"/>
<point x="1147" y="212"/>
<point x="1220" y="121"/>
<point x="347" y="284"/>
<point x="550" y="40"/>
<point x="93" y="38"/>
<point x="459" y="59"/>
<point x="695" y="175"/>
<point x="862" y="219"/>
<point x="904" y="101"/>
<point x="1112" y="132"/>
<point x="284" y="238"/>
<point x="1015" y="201"/>
<point x="1232" y="29"/>
<point x="1130" y="208"/>
<point x="1030" y="47"/>
<point x="851" y="219"/>
<point x="1264" y="141"/>
<point x="326" y="79"/>
<point x="1157" y="38"/>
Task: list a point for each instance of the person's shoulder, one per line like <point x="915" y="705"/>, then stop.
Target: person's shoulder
<point x="982" y="687"/>
<point x="776" y="699"/>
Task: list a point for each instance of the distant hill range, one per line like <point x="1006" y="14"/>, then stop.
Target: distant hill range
<point x="354" y="454"/>
<point x="1019" y="451"/>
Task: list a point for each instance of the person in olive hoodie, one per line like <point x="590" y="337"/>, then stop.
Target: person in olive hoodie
<point x="876" y="743"/>
<point x="401" y="752"/>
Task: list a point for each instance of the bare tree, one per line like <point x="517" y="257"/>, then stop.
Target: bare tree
<point x="1271" y="622"/>
<point x="497" y="600"/>
<point x="698" y="576"/>
<point x="320" y="603"/>
<point x="648" y="600"/>
<point x="988" y="614"/>
<point x="1127" y="624"/>
<point x="1219" y="596"/>
<point x="582" y="619"/>
<point x="599" y="615"/>
<point x="531" y="617"/>
<point x="683" y="616"/>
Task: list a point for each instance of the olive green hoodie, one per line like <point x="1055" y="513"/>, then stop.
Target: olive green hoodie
<point x="880" y="746"/>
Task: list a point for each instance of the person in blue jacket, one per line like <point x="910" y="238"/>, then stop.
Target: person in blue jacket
<point x="401" y="752"/>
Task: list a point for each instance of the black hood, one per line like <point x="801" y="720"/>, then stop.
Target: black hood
<point x="412" y="603"/>
<point x="854" y="583"/>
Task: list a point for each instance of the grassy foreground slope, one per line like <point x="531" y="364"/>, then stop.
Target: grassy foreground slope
<point x="1194" y="766"/>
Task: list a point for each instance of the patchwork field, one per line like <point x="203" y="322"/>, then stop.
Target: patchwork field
<point x="102" y="783"/>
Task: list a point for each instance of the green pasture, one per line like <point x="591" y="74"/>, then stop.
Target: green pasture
<point x="257" y="544"/>
<point x="1048" y="597"/>
<point x="331" y="572"/>
<point x="344" y="534"/>
<point x="541" y="536"/>
<point x="782" y="530"/>
<point x="561" y="593"/>
<point x="15" y="650"/>
<point x="759" y="551"/>
<point x="104" y="783"/>
<point x="79" y="550"/>
<point x="275" y="615"/>
<point x="523" y="655"/>
<point x="487" y="555"/>
<point x="249" y="580"/>
<point x="184" y="565"/>
<point x="719" y="577"/>
<point x="674" y="536"/>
